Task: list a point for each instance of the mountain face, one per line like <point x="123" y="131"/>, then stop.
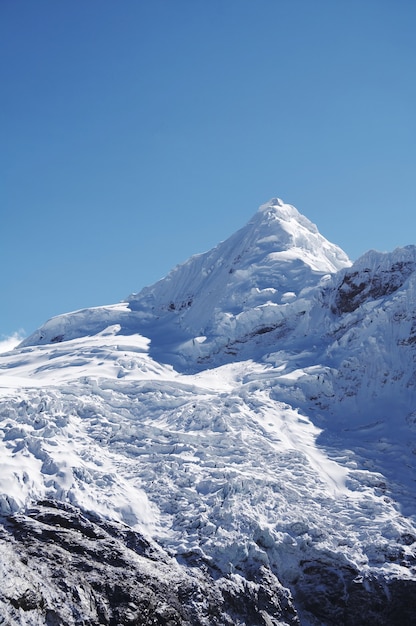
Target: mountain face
<point x="232" y="445"/>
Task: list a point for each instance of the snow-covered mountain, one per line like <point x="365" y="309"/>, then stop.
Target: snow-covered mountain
<point x="232" y="445"/>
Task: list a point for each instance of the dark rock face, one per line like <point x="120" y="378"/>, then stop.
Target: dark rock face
<point x="341" y="596"/>
<point x="370" y="284"/>
<point x="66" y="568"/>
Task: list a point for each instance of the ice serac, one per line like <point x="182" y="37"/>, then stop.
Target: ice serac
<point x="232" y="445"/>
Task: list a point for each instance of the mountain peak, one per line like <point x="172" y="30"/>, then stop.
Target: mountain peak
<point x="278" y="232"/>
<point x="295" y="230"/>
<point x="267" y="263"/>
<point x="276" y="208"/>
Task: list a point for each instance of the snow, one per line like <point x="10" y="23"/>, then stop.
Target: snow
<point x="233" y="408"/>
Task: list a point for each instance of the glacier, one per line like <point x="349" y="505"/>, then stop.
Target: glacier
<point x="231" y="445"/>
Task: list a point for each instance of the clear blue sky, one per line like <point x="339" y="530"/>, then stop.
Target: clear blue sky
<point x="138" y="132"/>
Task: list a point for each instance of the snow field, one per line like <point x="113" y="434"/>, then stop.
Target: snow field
<point x="210" y="462"/>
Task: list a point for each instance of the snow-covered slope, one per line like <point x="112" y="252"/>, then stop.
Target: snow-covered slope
<point x="255" y="279"/>
<point x="271" y="260"/>
<point x="238" y="436"/>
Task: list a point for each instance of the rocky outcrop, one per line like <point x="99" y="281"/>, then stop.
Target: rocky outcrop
<point x="62" y="567"/>
<point x="374" y="276"/>
<point x="338" y="595"/>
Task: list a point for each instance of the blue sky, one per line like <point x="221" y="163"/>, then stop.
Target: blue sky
<point x="137" y="133"/>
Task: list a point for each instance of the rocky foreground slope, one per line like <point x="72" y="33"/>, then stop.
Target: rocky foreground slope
<point x="233" y="445"/>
